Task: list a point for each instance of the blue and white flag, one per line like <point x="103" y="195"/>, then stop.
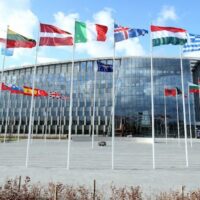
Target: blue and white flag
<point x="7" y="52"/>
<point x="193" y="43"/>
<point x="104" y="67"/>
<point x="123" y="33"/>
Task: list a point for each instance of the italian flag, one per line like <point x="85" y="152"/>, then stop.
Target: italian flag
<point x="15" y="40"/>
<point x="85" y="32"/>
<point x="168" y="35"/>
<point x="193" y="88"/>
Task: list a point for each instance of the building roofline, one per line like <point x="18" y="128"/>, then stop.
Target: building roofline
<point x="93" y="59"/>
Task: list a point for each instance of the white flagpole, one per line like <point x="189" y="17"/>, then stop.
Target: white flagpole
<point x="189" y="113"/>
<point x="4" y="60"/>
<point x="59" y="129"/>
<point x="184" y="115"/>
<point x="165" y="116"/>
<point x="33" y="118"/>
<point x="32" y="101"/>
<point x="20" y="117"/>
<point x="194" y="117"/>
<point x="2" y="71"/>
<point x="70" y="107"/>
<point x="7" y="115"/>
<point x="94" y="99"/>
<point x="46" y="119"/>
<point x="177" y="112"/>
<point x="152" y="105"/>
<point x="113" y="108"/>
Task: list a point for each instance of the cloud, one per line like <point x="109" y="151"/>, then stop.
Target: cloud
<point x="130" y="48"/>
<point x="99" y="49"/>
<point x="46" y="59"/>
<point x="168" y="13"/>
<point x="66" y="22"/>
<point x="22" y="20"/>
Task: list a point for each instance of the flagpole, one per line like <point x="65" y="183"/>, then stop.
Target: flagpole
<point x="20" y="118"/>
<point x="113" y="108"/>
<point x="189" y="113"/>
<point x="152" y="104"/>
<point x="46" y="120"/>
<point x="94" y="99"/>
<point x="165" y="116"/>
<point x="177" y="112"/>
<point x="7" y="113"/>
<point x="60" y="105"/>
<point x="70" y="108"/>
<point x="194" y="118"/>
<point x="184" y="115"/>
<point x="4" y="60"/>
<point x="60" y="120"/>
<point x="32" y="101"/>
<point x="33" y="118"/>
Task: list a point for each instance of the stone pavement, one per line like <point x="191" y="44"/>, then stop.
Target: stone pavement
<point x="133" y="163"/>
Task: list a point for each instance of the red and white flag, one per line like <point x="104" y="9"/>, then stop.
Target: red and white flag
<point x="53" y="36"/>
<point x="56" y="95"/>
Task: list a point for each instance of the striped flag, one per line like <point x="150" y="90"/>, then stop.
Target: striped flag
<point x="168" y="35"/>
<point x="193" y="43"/>
<point x="53" y="36"/>
<point x="56" y="95"/>
<point x="194" y="88"/>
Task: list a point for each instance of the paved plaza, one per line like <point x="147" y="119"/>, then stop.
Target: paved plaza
<point x="133" y="162"/>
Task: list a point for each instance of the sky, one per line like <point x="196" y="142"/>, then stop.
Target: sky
<point x="24" y="16"/>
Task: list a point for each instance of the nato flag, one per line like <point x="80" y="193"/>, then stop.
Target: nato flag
<point x="104" y="67"/>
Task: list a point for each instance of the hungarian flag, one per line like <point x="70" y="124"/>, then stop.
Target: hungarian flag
<point x="168" y="35"/>
<point x="3" y="86"/>
<point x="85" y="32"/>
<point x="53" y="36"/>
<point x="170" y="92"/>
<point x="15" y="40"/>
<point x="193" y="88"/>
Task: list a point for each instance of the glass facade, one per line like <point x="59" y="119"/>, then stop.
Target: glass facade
<point x="132" y="97"/>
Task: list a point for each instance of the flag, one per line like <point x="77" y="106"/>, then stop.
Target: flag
<point x="123" y="33"/>
<point x="193" y="88"/>
<point x="85" y="32"/>
<point x="104" y="67"/>
<point x="53" y="36"/>
<point x="65" y="97"/>
<point x="15" y="40"/>
<point x="4" y="50"/>
<point x="41" y="93"/>
<point x="170" y="92"/>
<point x="16" y="89"/>
<point x="168" y="35"/>
<point x="7" y="52"/>
<point x="55" y="95"/>
<point x="178" y="91"/>
<point x="28" y="91"/>
<point x="193" y="43"/>
<point x="3" y="86"/>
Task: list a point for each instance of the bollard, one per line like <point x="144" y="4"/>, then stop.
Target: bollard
<point x="94" y="193"/>
<point x="19" y="185"/>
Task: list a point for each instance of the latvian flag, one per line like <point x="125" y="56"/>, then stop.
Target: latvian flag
<point x="56" y="95"/>
<point x="168" y="35"/>
<point x="53" y="36"/>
